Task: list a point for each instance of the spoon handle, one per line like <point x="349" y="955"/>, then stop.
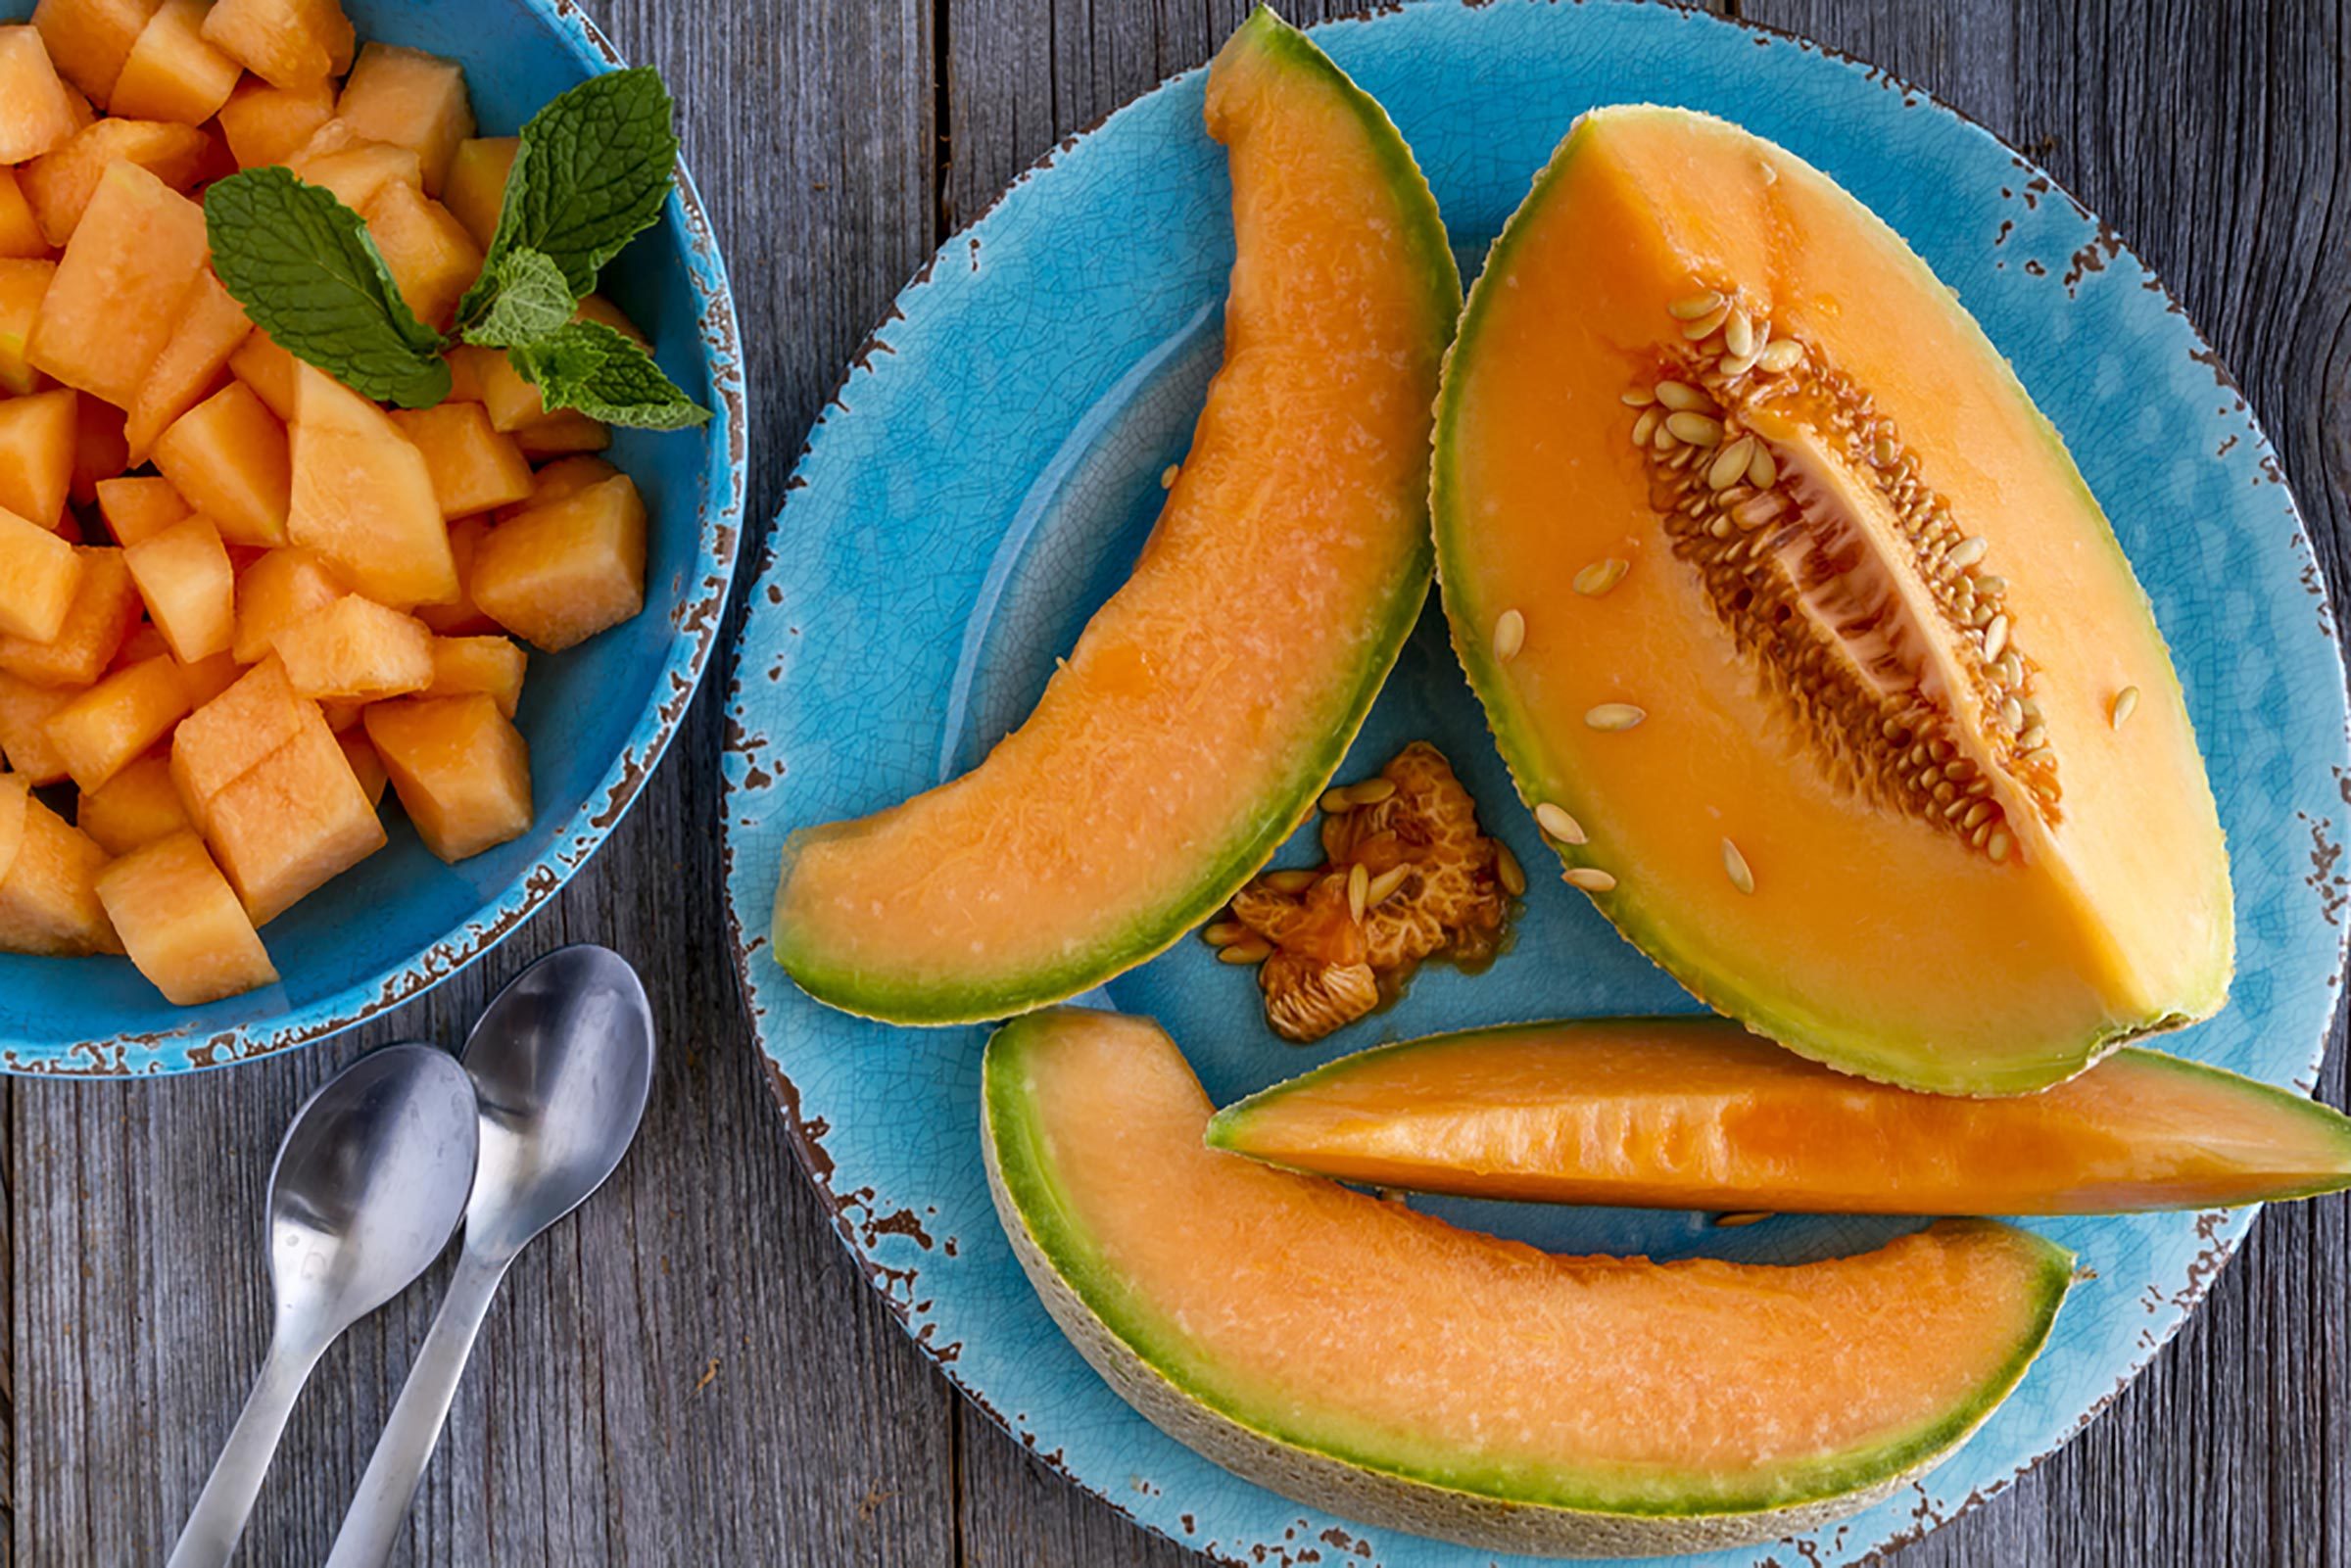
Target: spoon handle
<point x="211" y="1530"/>
<point x="394" y="1470"/>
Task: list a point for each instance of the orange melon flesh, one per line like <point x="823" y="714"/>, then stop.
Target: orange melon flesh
<point x="283" y="587"/>
<point x="48" y="880"/>
<point x="558" y="574"/>
<point x="172" y="73"/>
<point x="37" y="438"/>
<point x="266" y="124"/>
<point x="1355" y="1354"/>
<point x="23" y="284"/>
<point x="37" y="111"/>
<point x="25" y="744"/>
<point x="105" y="729"/>
<point x="291" y="43"/>
<point x="363" y="497"/>
<point x="91" y="39"/>
<point x="105" y="604"/>
<point x="292" y="822"/>
<point x="60" y="183"/>
<point x="100" y="452"/>
<point x="1871" y="940"/>
<point x="461" y="768"/>
<point x="410" y="98"/>
<point x="431" y="256"/>
<point x="1206" y="704"/>
<point x="139" y="506"/>
<point x="183" y="923"/>
<point x="118" y="292"/>
<point x="475" y="467"/>
<point x="209" y="333"/>
<point x="20" y="231"/>
<point x="136" y="807"/>
<point x="475" y="191"/>
<point x="39" y="574"/>
<point x="1699" y="1114"/>
<point x="356" y="650"/>
<point x="229" y="456"/>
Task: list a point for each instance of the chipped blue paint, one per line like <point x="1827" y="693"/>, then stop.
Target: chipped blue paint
<point x="597" y="717"/>
<point x="924" y="577"/>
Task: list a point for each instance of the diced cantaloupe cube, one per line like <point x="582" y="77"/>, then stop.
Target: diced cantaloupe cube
<point x="474" y="467"/>
<point x="356" y="650"/>
<point x="265" y="126"/>
<point x="172" y="73"/>
<point x="38" y="110"/>
<point x="229" y="456"/>
<point x="139" y="506"/>
<point x="475" y="190"/>
<point x="24" y="282"/>
<point x="230" y="735"/>
<point x="61" y="182"/>
<point x="101" y="450"/>
<point x="39" y="574"/>
<point x="465" y="364"/>
<point x="24" y="710"/>
<point x="283" y="587"/>
<point x="289" y="42"/>
<point x="191" y="593"/>
<point x="512" y="402"/>
<point x="269" y="370"/>
<point x="89" y="40"/>
<point x="431" y="256"/>
<point x="139" y="805"/>
<point x="412" y="98"/>
<point x="206" y="679"/>
<point x="48" y="879"/>
<point x="364" y="498"/>
<point x="461" y="617"/>
<point x="120" y="289"/>
<point x="105" y="605"/>
<point x="144" y="643"/>
<point x="105" y="729"/>
<point x="353" y="166"/>
<point x="493" y="666"/>
<point x="603" y="313"/>
<point x="365" y="765"/>
<point x="183" y="923"/>
<point x="38" y="436"/>
<point x="461" y="768"/>
<point x="210" y="331"/>
<point x="293" y="822"/>
<point x="560" y="479"/>
<point x="558" y="573"/>
<point x="561" y="434"/>
<point x="20" y="236"/>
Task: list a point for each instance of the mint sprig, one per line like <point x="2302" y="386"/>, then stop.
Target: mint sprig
<point x="594" y="169"/>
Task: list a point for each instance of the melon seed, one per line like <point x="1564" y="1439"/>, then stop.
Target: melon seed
<point x="1508" y="871"/>
<point x="1694" y="428"/>
<point x="1781" y="357"/>
<point x="1967" y="552"/>
<point x="2125" y="703"/>
<point x="1747" y="1216"/>
<point x="1680" y="397"/>
<point x="1739" y="335"/>
<point x="1730" y="464"/>
<point x="1372" y="792"/>
<point x="1222" y="932"/>
<point x="1510" y="636"/>
<point x="1555" y="821"/>
<point x="1166" y="476"/>
<point x="1614" y="716"/>
<point x="1334" y="800"/>
<point x="1383" y="886"/>
<point x="1293" y="881"/>
<point x="1637" y="397"/>
<point x="1358" y="890"/>
<point x="1645" y="427"/>
<point x="1734" y="866"/>
<point x="1256" y="950"/>
<point x="1691" y="306"/>
<point x="1590" y="879"/>
<point x="1762" y="471"/>
<point x="1601" y="576"/>
<point x="1995" y="637"/>
<point x="1999" y="845"/>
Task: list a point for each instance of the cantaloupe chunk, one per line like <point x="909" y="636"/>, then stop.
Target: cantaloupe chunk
<point x="283" y="587"/>
<point x="20" y="236"/>
<point x="90" y="40"/>
<point x="37" y="436"/>
<point x="269" y="370"/>
<point x="61" y="182"/>
<point x="560" y="479"/>
<point x="365" y="765"/>
<point x="561" y="434"/>
<point x="356" y="650"/>
<point x="364" y="498"/>
<point x="185" y="576"/>
<point x="48" y="879"/>
<point x="230" y="457"/>
<point x="293" y="822"/>
<point x="25" y="742"/>
<point x="474" y="467"/>
<point x="181" y="923"/>
<point x="475" y="190"/>
<point x="461" y="768"/>
<point x="558" y="573"/>
<point x="353" y="166"/>
<point x="144" y="643"/>
<point x="291" y="43"/>
<point x="412" y="98"/>
<point x="172" y="73"/>
<point x="105" y="729"/>
<point x="516" y="409"/>
<point x="24" y="282"/>
<point x="139" y="506"/>
<point x="37" y="111"/>
<point x="118" y="292"/>
<point x="104" y="608"/>
<point x="139" y="805"/>
<point x="206" y="679"/>
<point x="603" y="313"/>
<point x="234" y="733"/>
<point x="101" y="450"/>
<point x="265" y="126"/>
<point x="209" y="333"/>
<point x="431" y="256"/>
<point x="39" y="574"/>
<point x="461" y="617"/>
<point x="493" y="666"/>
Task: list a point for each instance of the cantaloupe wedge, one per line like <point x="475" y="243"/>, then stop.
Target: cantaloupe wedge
<point x="356" y="650"/>
<point x="25" y="744"/>
<point x="38" y="111"/>
<point x="172" y="73"/>
<point x="266" y="124"/>
<point x="107" y="727"/>
<point x="364" y="498"/>
<point x="231" y="458"/>
<point x="37" y="438"/>
<point x="290" y="43"/>
<point x="105" y="602"/>
<point x="558" y="573"/>
<point x="136" y="807"/>
<point x="140" y="505"/>
<point x="120" y="289"/>
<point x="184" y="574"/>
<point x="1360" y="1356"/>
<point x="461" y="768"/>
<point x="210" y="331"/>
<point x="476" y="186"/>
<point x="411" y="98"/>
<point x="181" y="923"/>
<point x="61" y="182"/>
<point x="23" y="284"/>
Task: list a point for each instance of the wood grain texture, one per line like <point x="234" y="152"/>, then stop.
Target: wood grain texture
<point x="691" y="1370"/>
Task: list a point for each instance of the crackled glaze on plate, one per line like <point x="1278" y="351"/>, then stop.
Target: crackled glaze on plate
<point x="985" y="477"/>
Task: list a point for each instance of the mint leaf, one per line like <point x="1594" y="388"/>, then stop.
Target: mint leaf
<point x="593" y="171"/>
<point x="589" y="366"/>
<point x="528" y="299"/>
<point x="303" y="266"/>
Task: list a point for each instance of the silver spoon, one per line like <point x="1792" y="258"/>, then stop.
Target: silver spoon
<point x="369" y="1183"/>
<point x="562" y="1063"/>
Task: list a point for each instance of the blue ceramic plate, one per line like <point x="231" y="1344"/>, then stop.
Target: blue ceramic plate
<point x="597" y="717"/>
<point x="980" y="487"/>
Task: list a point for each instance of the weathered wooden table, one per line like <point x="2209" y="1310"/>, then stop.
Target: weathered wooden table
<point x="691" y="1370"/>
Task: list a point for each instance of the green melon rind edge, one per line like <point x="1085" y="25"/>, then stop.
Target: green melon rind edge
<point x="1115" y="1334"/>
<point x="929" y="1004"/>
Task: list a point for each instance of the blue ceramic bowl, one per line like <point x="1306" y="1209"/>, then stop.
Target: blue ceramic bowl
<point x="596" y="718"/>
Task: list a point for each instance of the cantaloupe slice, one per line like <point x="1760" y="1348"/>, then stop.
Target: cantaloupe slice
<point x="38" y="436"/>
<point x="181" y="923"/>
<point x="105" y="604"/>
<point x="38" y="110"/>
<point x="209" y="333"/>
<point x="269" y="371"/>
<point x="107" y="727"/>
<point x="461" y="768"/>
<point x="230" y="457"/>
<point x="476" y="186"/>
<point x="558" y="573"/>
<point x="356" y="650"/>
<point x="1360" y="1356"/>
<point x="292" y="822"/>
<point x="431" y="256"/>
<point x="283" y="587"/>
<point x="364" y="498"/>
<point x="290" y="43"/>
<point x="89" y="40"/>
<point x="185" y="576"/>
<point x="139" y="506"/>
<point x="23" y="284"/>
<point x="490" y="665"/>
<point x="266" y="124"/>
<point x="136" y="807"/>
<point x="412" y="98"/>
<point x="172" y="73"/>
<point x="120" y="289"/>
<point x="1208" y="702"/>
<point x="61" y="182"/>
<point x="39" y="574"/>
<point x="1699" y="1114"/>
<point x="48" y="880"/>
<point x="474" y="467"/>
